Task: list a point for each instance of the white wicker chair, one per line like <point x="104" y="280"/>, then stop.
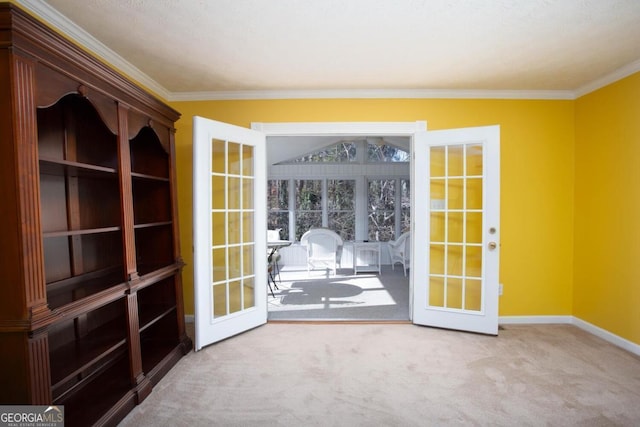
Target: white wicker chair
<point x="400" y="251"/>
<point x="324" y="248"/>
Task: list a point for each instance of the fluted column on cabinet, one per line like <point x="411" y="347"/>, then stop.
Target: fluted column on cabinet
<point x="141" y="383"/>
<point x="126" y="195"/>
<point x="39" y="383"/>
<point x="27" y="174"/>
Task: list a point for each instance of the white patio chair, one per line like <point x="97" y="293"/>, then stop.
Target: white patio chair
<point x="400" y="251"/>
<point x="324" y="248"/>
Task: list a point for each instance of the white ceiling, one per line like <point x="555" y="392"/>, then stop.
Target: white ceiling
<point x="213" y="49"/>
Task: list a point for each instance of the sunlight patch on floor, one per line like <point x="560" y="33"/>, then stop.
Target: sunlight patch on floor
<point x="300" y="290"/>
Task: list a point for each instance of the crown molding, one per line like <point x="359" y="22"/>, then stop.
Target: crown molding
<point x="371" y="94"/>
<point x="618" y="74"/>
<point x="82" y="38"/>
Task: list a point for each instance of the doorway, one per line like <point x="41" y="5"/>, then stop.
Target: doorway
<point x="358" y="187"/>
<point x="313" y="295"/>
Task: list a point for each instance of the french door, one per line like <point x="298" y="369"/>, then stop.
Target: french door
<point x="455" y="224"/>
<point x="455" y="230"/>
<point x="229" y="230"/>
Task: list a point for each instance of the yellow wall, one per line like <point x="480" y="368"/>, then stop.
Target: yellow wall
<point x="607" y="206"/>
<point x="537" y="179"/>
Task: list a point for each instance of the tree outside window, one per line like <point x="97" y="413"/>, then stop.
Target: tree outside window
<point x="377" y="153"/>
<point x="339" y="153"/>
<point x="381" y="206"/>
<point x="389" y="208"/>
<point x="278" y="206"/>
<point x="341" y="207"/>
<point x="405" y="206"/>
<point x="308" y="206"/>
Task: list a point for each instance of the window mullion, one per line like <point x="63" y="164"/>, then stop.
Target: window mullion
<point x="397" y="197"/>
<point x="325" y="204"/>
<point x="292" y="209"/>
<point x="362" y="213"/>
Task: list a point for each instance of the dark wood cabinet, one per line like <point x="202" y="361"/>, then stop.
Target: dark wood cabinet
<point x="91" y="312"/>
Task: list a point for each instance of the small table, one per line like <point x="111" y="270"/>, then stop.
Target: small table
<point x="273" y="246"/>
<point x="362" y="264"/>
<point x="276" y="244"/>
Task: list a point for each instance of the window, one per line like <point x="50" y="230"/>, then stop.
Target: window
<point x="278" y="206"/>
<point x="388" y="208"/>
<point x="405" y="207"/>
<point x="339" y="153"/>
<point x="308" y="207"/>
<point x="341" y="209"/>
<point x="373" y="149"/>
<point x="380" y="152"/>
<point x="381" y="205"/>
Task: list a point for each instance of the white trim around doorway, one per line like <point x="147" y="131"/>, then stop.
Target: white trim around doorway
<point x="347" y="129"/>
<point x="340" y="128"/>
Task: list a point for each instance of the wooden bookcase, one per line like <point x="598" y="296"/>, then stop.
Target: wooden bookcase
<point x="91" y="311"/>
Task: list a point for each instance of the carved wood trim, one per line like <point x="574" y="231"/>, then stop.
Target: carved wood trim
<point x="164" y="135"/>
<point x="126" y="194"/>
<point x="174" y="195"/>
<point x="135" y="353"/>
<point x="26" y="141"/>
<point x="64" y="57"/>
<point x="39" y="368"/>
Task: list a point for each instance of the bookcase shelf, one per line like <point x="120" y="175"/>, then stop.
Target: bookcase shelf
<point x="155" y="302"/>
<point x="80" y="265"/>
<point x="102" y="391"/>
<point x="155" y="247"/>
<point x="67" y="168"/>
<point x="85" y="345"/>
<point x="158" y="340"/>
<point x="91" y="311"/>
<point x="148" y="156"/>
<point x="151" y="200"/>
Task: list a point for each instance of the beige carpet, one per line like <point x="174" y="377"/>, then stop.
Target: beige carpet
<point x="399" y="375"/>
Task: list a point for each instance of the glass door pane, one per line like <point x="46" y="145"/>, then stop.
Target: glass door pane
<point x="456" y="182"/>
<point x="232" y="212"/>
<point x="229" y="230"/>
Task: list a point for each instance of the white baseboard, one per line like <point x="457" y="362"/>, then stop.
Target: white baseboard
<point x="607" y="336"/>
<point x="537" y="320"/>
<point x="541" y="320"/>
<point x="572" y="320"/>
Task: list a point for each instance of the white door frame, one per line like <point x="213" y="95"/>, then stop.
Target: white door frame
<point x="340" y="128"/>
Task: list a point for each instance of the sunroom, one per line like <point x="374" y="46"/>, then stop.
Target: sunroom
<point x="358" y="187"/>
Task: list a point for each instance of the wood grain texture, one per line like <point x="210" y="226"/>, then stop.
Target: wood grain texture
<point x="69" y="308"/>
